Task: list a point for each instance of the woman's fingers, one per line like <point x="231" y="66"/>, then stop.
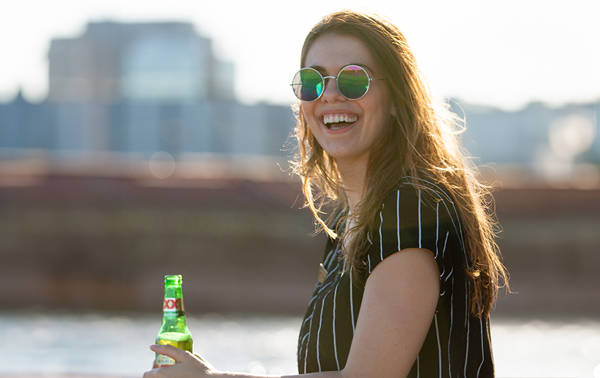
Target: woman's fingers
<point x="168" y="350"/>
<point x="199" y="357"/>
<point x="187" y="364"/>
<point x="205" y="363"/>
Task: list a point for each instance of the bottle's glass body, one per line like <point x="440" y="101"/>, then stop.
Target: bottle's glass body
<point x="174" y="330"/>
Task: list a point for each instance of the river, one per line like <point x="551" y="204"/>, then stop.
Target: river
<point x="117" y="344"/>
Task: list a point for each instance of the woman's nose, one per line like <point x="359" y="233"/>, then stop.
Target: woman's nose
<point x="331" y="92"/>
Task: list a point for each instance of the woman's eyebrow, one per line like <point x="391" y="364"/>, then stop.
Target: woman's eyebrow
<point x="320" y="69"/>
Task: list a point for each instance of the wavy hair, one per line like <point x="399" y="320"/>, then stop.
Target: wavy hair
<point x="421" y="140"/>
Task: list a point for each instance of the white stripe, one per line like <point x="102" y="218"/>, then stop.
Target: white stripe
<point x="467" y="324"/>
<point x="482" y="352"/>
<point x="329" y="259"/>
<point x="320" y="289"/>
<point x="307" y="319"/>
<point x="303" y="338"/>
<point x="334" y="341"/>
<point x="369" y="258"/>
<point x="300" y="345"/>
<point x="325" y="262"/>
<point x="313" y="312"/>
<point x="337" y="266"/>
<point x="308" y="342"/>
<point x="443" y="256"/>
<point x="313" y="298"/>
<point x="310" y="328"/>
<point x="398" y="217"/>
<point x="437" y="334"/>
<point x="437" y="227"/>
<point x="445" y="241"/>
<point x="458" y="233"/>
<point x="380" y="237"/>
<point x="419" y="193"/>
<point x="351" y="304"/>
<point x="319" y="330"/>
<point x="450" y="329"/>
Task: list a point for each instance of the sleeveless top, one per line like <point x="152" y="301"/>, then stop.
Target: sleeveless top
<point x="458" y="344"/>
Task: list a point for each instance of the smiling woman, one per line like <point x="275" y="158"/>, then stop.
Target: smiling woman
<point x="410" y="270"/>
<point x="405" y="200"/>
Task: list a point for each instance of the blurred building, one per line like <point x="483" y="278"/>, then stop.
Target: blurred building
<point x="25" y="126"/>
<point x="537" y="136"/>
<point x="136" y="89"/>
<point x="115" y="62"/>
<point x="137" y="130"/>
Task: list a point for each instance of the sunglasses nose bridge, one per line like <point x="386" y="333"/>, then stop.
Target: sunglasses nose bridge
<point x="325" y="80"/>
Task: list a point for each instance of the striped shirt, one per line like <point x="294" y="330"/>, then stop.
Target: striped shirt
<point x="457" y="344"/>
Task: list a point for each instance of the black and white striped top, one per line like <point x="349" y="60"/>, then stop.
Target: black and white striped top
<point x="457" y="343"/>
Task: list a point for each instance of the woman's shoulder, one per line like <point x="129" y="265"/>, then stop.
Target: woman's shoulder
<point x="417" y="213"/>
<point x="419" y="202"/>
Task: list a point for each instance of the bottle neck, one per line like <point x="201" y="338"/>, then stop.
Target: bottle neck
<point x="173" y="302"/>
<point x="174" y="320"/>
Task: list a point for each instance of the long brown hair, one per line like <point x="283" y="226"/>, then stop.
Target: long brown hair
<point x="421" y="140"/>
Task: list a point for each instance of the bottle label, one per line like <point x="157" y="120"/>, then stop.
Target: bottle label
<point x="162" y="361"/>
<point x="173" y="305"/>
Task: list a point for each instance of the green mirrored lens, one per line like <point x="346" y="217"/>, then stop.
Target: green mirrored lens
<point x="353" y="82"/>
<point x="307" y="84"/>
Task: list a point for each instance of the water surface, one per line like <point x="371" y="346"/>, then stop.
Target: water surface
<point x="109" y="344"/>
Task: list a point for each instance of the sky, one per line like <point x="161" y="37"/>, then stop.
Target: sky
<point x="498" y="53"/>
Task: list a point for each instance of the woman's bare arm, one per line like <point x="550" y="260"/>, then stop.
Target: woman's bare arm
<point x="397" y="308"/>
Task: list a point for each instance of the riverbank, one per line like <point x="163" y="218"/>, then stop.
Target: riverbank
<point x="100" y="241"/>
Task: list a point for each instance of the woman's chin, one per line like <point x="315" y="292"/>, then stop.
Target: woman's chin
<point x="343" y="156"/>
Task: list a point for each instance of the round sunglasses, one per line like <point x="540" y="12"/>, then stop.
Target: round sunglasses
<point x="353" y="82"/>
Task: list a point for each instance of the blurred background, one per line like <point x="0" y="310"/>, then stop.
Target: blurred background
<point x="144" y="139"/>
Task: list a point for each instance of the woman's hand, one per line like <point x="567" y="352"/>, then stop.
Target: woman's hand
<point x="186" y="364"/>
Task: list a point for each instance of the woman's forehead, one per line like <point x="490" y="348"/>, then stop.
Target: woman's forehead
<point x="331" y="52"/>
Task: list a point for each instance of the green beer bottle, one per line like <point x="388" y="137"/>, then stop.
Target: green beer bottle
<point x="174" y="330"/>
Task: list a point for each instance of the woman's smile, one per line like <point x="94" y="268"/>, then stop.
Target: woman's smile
<point x="336" y="122"/>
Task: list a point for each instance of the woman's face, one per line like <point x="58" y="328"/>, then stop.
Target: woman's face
<point x="346" y="143"/>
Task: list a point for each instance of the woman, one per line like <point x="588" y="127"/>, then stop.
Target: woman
<point x="411" y="270"/>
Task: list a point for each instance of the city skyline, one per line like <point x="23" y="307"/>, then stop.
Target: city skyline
<point x="505" y="57"/>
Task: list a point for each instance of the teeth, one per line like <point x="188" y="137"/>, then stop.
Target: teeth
<point x="335" y="118"/>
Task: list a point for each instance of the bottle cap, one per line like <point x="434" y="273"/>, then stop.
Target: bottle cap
<point x="173" y="279"/>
